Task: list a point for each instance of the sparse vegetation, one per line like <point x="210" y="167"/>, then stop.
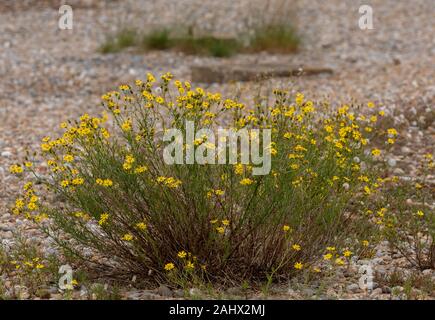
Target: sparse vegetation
<point x="273" y="39"/>
<point x="194" y="223"/>
<point x="123" y="39"/>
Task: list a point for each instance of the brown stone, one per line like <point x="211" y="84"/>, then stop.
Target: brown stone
<point x="218" y="73"/>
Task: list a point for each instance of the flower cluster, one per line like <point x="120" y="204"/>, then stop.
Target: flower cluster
<point x="122" y="200"/>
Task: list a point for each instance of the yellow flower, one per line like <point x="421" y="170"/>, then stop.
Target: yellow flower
<point x="220" y="230"/>
<point x="370" y="105"/>
<point x="141" y="226"/>
<point x="296" y="247"/>
<point x="169" y="181"/>
<point x="299" y="98"/>
<point x="45" y="147"/>
<point x="105" y="133"/>
<point x="39" y="266"/>
<point x="226" y="222"/>
<point x="219" y="192"/>
<point x="330" y="249"/>
<point x="376" y="152"/>
<point x="298" y="265"/>
<point x="127" y="237"/>
<point x="103" y="219"/>
<point x="151" y="78"/>
<point x="300" y="148"/>
<point x="64" y="183"/>
<point x="140" y="169"/>
<point x="246" y="182"/>
<point x="32" y="206"/>
<point x="420" y="213"/>
<point x="169" y="266"/>
<point x="19" y="203"/>
<point x="365" y="243"/>
<point x="238" y="169"/>
<point x="16" y="168"/>
<point x="327" y="256"/>
<point x="107" y="183"/>
<point x="160" y="100"/>
<point x="182" y="254"/>
<point x="126" y="125"/>
<point x="213" y="221"/>
<point x="68" y="158"/>
<point x="104" y="183"/>
<point x="28" y="186"/>
<point x="367" y="190"/>
<point x="285" y="228"/>
<point x="339" y="261"/>
<point x="78" y="181"/>
<point x="190" y="265"/>
<point x="347" y="253"/>
<point x="392" y="132"/>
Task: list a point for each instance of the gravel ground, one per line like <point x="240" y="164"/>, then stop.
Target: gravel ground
<point x="49" y="75"/>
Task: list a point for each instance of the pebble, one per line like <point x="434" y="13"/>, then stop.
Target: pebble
<point x="354" y="288"/>
<point x="7" y="235"/>
<point x="6" y="154"/>
<point x="4" y="227"/>
<point x="195" y="292"/>
<point x="164" y="291"/>
<point x="376" y="292"/>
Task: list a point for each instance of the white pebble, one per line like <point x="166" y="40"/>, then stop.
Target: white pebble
<point x="392" y="162"/>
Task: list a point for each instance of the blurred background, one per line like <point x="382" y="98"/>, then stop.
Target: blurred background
<point x="49" y="75"/>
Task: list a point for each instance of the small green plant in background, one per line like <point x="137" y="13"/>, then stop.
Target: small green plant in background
<point x="125" y="38"/>
<point x="275" y="39"/>
<point x="157" y="40"/>
<point x="162" y="40"/>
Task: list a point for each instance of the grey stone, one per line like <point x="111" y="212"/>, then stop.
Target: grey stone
<point x="4" y="227"/>
<point x="354" y="288"/>
<point x="386" y="289"/>
<point x="179" y="293"/>
<point x="376" y="292"/>
<point x="308" y="292"/>
<point x="235" y="291"/>
<point x="195" y="292"/>
<point x="7" y="235"/>
<point x="164" y="291"/>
